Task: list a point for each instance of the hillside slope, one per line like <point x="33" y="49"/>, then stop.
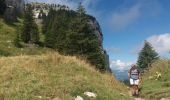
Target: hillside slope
<point x="7" y="36"/>
<point x="49" y="76"/>
<point x="156" y="82"/>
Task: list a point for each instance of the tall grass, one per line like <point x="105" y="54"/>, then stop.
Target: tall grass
<point x="48" y="76"/>
<point x="7" y="47"/>
<point x="44" y="75"/>
<point x="154" y="87"/>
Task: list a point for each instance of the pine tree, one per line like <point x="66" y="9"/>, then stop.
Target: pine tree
<point x="80" y="9"/>
<point x="71" y="33"/>
<point x="17" y="41"/>
<point x="2" y="7"/>
<point x="40" y="15"/>
<point x="50" y="23"/>
<point x="48" y="20"/>
<point x="147" y="56"/>
<point x="88" y="41"/>
<point x="30" y="32"/>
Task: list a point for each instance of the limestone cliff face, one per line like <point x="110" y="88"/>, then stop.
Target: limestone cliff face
<point x="18" y="4"/>
<point x="14" y="8"/>
<point x="96" y="27"/>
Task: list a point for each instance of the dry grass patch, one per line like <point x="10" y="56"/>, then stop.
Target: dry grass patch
<point x="45" y="77"/>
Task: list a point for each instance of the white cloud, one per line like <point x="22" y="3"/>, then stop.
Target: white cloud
<point x="113" y="50"/>
<point x="127" y="15"/>
<point x="121" y="19"/>
<point x="161" y="43"/>
<point x="120" y="65"/>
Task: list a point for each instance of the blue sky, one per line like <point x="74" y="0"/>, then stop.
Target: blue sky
<point x="126" y="24"/>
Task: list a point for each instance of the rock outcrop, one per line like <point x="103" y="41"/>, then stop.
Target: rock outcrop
<point x="96" y="27"/>
<point x="93" y="22"/>
<point x="14" y="8"/>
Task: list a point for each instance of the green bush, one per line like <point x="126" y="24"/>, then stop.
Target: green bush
<point x="4" y="53"/>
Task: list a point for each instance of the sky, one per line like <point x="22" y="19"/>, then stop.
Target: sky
<point x="126" y="24"/>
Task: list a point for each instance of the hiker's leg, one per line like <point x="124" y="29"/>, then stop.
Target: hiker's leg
<point x="133" y="90"/>
<point x="131" y="86"/>
<point x="137" y="87"/>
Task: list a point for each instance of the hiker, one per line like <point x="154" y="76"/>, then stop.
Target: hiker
<point x="134" y="76"/>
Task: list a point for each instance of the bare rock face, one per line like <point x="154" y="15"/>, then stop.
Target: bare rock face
<point x="90" y="94"/>
<point x="18" y="4"/>
<point x="96" y="27"/>
<point x="79" y="98"/>
<point x="14" y="9"/>
<point x="98" y="32"/>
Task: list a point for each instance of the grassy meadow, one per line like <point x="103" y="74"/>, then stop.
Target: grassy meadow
<point x="156" y="82"/>
<point x="38" y="73"/>
<point x="46" y="77"/>
<point x="8" y="34"/>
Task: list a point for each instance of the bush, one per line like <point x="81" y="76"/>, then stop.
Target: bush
<point x="4" y="53"/>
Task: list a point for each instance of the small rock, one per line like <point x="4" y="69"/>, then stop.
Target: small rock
<point x="8" y="41"/>
<point x="164" y="99"/>
<point x="122" y="94"/>
<point x="78" y="98"/>
<point x="90" y="94"/>
<point x="39" y="97"/>
<point x="150" y="77"/>
<point x="139" y="99"/>
<point x="56" y="98"/>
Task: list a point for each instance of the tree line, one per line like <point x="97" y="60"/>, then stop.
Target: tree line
<point x="70" y="33"/>
<point x="66" y="31"/>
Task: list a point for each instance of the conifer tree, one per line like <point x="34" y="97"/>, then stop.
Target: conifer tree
<point x="88" y="41"/>
<point x="41" y="14"/>
<point x="30" y="32"/>
<point x="71" y="33"/>
<point x="50" y="23"/>
<point x="147" y="56"/>
<point x="48" y="20"/>
<point x="80" y="9"/>
<point x="17" y="41"/>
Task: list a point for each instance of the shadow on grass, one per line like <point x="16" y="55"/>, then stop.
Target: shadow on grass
<point x="4" y="53"/>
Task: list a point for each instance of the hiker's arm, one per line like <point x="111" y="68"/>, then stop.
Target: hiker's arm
<point x="139" y="76"/>
<point x="129" y="74"/>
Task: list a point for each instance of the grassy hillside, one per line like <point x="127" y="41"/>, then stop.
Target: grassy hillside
<point x="32" y="73"/>
<point x="7" y="36"/>
<point x="155" y="87"/>
<point x="49" y="76"/>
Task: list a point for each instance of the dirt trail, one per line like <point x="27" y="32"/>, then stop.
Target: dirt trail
<point x="136" y="98"/>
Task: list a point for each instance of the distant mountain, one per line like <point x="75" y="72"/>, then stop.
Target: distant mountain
<point x="121" y="74"/>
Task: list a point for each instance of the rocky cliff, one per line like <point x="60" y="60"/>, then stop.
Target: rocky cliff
<point x="17" y="4"/>
<point x="14" y="8"/>
<point x="97" y="29"/>
<point x="92" y="20"/>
